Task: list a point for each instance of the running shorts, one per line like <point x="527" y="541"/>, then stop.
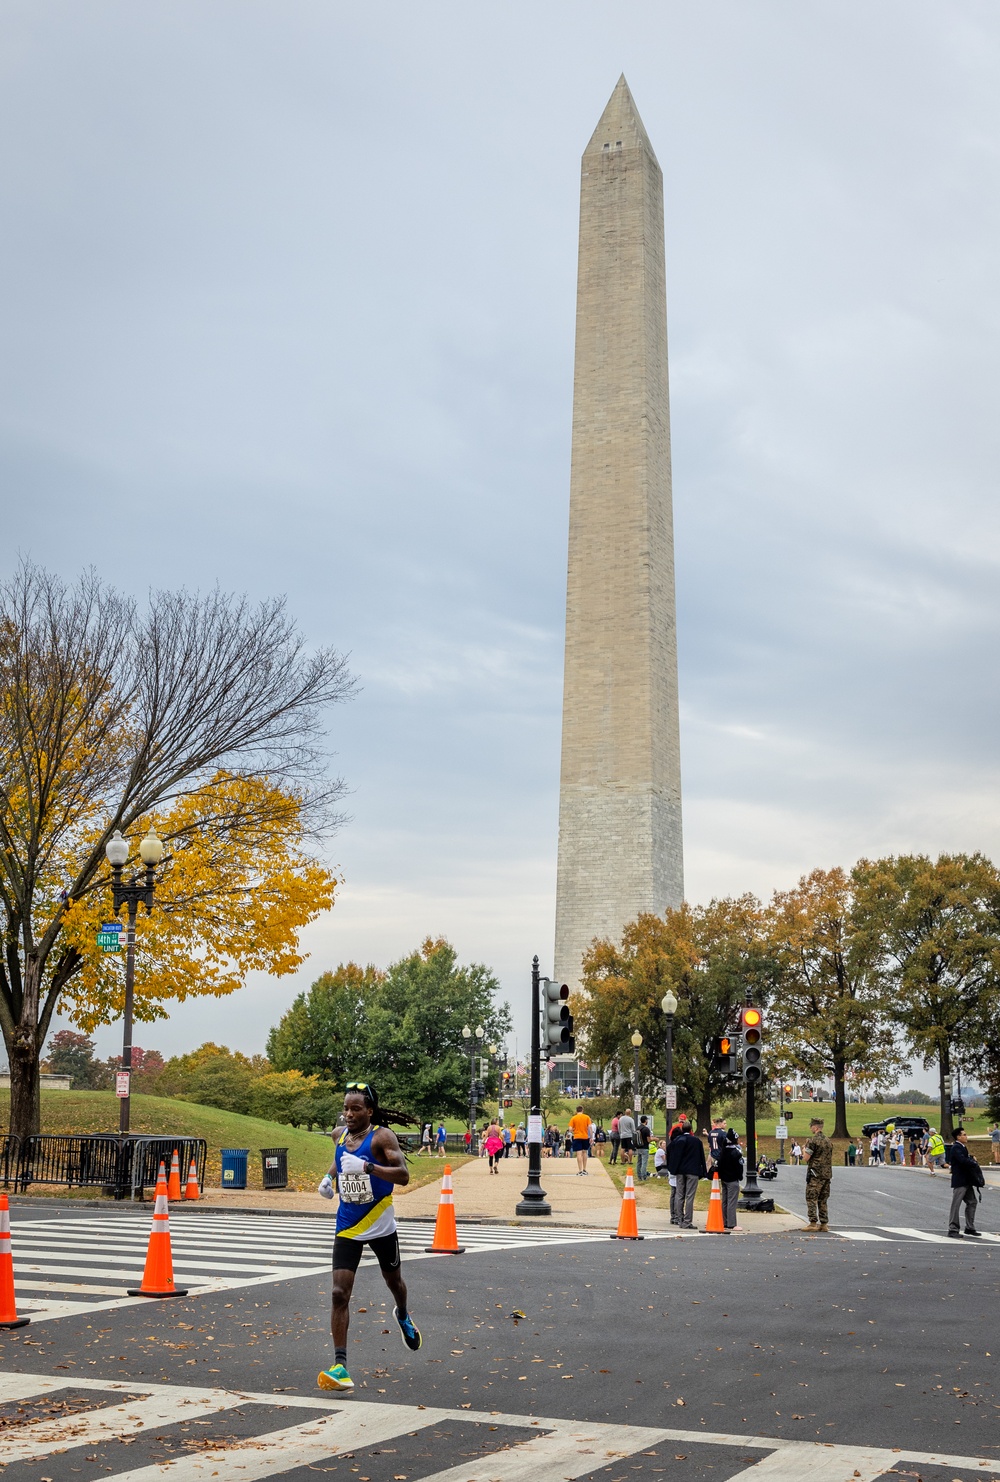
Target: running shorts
<point x="628" y="1145"/>
<point x="581" y="1144"/>
<point x="347" y="1253"/>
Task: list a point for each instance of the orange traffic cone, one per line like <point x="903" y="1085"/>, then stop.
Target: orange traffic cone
<point x="8" y="1306"/>
<point x="715" y="1224"/>
<point x="628" y="1228"/>
<point x="191" y="1190"/>
<point x="174" y="1185"/>
<point x="445" y="1231"/>
<point x="158" y="1277"/>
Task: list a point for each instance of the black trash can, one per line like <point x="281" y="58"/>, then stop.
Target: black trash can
<point x="274" y="1167"/>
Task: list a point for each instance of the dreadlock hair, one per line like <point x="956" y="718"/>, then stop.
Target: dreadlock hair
<point x="383" y="1116"/>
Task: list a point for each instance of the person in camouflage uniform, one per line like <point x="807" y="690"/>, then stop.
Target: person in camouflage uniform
<point x="819" y="1151"/>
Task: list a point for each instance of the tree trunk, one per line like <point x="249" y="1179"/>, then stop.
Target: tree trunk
<point x="944" y="1068"/>
<point x="839" y="1100"/>
<point x="25" y="1095"/>
<point x="703" y="1113"/>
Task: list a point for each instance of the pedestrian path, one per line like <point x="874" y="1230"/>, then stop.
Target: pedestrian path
<point x="62" y="1265"/>
<point x="140" y="1432"/>
<point x="897" y="1233"/>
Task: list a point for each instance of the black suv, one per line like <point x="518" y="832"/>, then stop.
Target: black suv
<point x="902" y="1124"/>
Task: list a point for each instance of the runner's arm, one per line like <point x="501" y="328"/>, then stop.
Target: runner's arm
<point x="388" y="1163"/>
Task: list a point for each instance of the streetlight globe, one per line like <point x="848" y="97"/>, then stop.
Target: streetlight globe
<point x="151" y="848"/>
<point x="116" y="849"/>
<point x="636" y="1038"/>
<point x="480" y="1031"/>
<point x="466" y="1032"/>
<point x="492" y="1049"/>
<point x="668" y="1003"/>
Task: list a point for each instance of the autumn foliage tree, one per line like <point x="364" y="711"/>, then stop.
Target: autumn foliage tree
<point x="202" y="715"/>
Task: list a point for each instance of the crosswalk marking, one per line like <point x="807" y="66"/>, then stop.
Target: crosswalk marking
<point x="893" y="1234"/>
<point x="555" y="1450"/>
<point x="65" y="1266"/>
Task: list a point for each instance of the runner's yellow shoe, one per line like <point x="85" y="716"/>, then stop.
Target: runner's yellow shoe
<point x="335" y="1378"/>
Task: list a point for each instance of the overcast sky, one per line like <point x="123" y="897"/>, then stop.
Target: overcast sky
<point x="288" y="304"/>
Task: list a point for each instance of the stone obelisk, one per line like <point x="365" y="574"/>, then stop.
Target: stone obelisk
<point x="620" y="792"/>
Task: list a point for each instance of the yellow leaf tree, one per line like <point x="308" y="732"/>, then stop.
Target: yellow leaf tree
<point x="201" y="713"/>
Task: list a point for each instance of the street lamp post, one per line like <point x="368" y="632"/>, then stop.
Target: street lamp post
<point x="138" y="889"/>
<point x="636" y="1042"/>
<point x="668" y="1003"/>
<point x="468" y="1035"/>
<point x="532" y="1200"/>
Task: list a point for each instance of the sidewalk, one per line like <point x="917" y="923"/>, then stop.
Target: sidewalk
<point x="584" y="1203"/>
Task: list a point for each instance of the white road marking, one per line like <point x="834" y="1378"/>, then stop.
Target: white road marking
<point x="560" y="1450"/>
<point x="925" y="1235"/>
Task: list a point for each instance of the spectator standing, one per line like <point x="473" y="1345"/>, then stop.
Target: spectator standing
<point x="729" y="1162"/>
<point x="521" y="1140"/>
<point x="442" y="1140"/>
<point x="505" y="1134"/>
<point x="686" y="1160"/>
<point x="580" y="1128"/>
<point x="914" y="1145"/>
<point x="796" y="1153"/>
<point x="716" y="1138"/>
<point x="467" y="1139"/>
<point x="995" y="1142"/>
<point x="626" y="1132"/>
<point x="600" y="1138"/>
<point x="615" y="1140"/>
<point x="642" y="1141"/>
<point x="818" y="1176"/>
<point x="425" y="1138"/>
<point x="966" y="1181"/>
<point x="852" y="1154"/>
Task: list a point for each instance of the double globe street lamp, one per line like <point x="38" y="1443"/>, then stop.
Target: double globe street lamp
<point x="469" y="1035"/>
<point x="137" y="890"/>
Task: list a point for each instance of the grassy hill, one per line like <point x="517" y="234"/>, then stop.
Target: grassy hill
<point x="309" y="1153"/>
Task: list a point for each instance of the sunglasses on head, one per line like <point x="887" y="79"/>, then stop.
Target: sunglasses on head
<point x="357" y="1086"/>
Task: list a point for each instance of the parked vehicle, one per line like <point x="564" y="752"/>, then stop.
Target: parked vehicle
<point x="901" y="1124"/>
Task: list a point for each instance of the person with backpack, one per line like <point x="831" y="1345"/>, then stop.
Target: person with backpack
<point x="729" y="1164"/>
<point x="966" y="1181"/>
<point x="642" y="1141"/>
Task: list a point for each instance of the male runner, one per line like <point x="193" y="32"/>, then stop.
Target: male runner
<point x="366" y="1165"/>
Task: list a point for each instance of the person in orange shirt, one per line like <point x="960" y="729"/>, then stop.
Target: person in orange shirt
<point x="579" y="1126"/>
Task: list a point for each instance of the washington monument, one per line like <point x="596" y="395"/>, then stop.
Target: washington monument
<point x="620" y="792"/>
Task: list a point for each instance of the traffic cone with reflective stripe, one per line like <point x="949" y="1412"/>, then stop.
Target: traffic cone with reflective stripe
<point x="628" y="1227"/>
<point x="191" y="1190"/>
<point x="174" y="1184"/>
<point x="8" y="1305"/>
<point x="715" y="1225"/>
<point x="445" y="1230"/>
<point x="158" y="1277"/>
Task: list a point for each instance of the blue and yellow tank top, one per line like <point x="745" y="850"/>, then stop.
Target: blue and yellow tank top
<point x="365" y="1211"/>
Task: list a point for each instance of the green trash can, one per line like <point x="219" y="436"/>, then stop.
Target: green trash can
<point x="234" y="1167"/>
<point x="274" y="1167"/>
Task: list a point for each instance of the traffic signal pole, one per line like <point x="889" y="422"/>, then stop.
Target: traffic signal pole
<point x="751" y="1188"/>
<point x="533" y="1199"/>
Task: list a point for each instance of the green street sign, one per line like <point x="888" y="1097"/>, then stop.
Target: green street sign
<point x="109" y="941"/>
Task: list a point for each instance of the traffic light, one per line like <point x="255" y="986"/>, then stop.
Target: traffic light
<point x="788" y="1092"/>
<point x="506" y="1078"/>
<point x="557" y="1022"/>
<point x="752" y="1024"/>
<point x="957" y="1106"/>
<point x="508" y="1101"/>
<point x="725" y="1060"/>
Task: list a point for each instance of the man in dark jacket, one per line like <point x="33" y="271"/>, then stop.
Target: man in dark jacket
<point x="686" y="1160"/>
<point x="729" y="1162"/>
<point x="966" y="1178"/>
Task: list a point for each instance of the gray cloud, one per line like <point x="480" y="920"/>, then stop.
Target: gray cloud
<point x="288" y="302"/>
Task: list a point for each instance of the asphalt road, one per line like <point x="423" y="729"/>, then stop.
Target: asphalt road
<point x="790" y="1338"/>
<point x="881" y="1198"/>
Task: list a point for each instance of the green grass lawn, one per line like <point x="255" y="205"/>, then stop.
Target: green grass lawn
<point x="309" y="1153"/>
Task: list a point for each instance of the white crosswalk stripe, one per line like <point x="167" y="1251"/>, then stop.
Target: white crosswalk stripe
<point x="897" y="1233"/>
<point x="544" y="1449"/>
<point x="63" y="1265"/>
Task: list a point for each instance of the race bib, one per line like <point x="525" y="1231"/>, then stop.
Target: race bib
<point x="356" y="1188"/>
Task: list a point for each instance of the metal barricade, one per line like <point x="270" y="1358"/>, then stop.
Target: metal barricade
<point x="121" y="1166"/>
<point x="10" y="1146"/>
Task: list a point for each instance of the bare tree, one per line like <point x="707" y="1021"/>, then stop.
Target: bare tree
<point x="107" y="712"/>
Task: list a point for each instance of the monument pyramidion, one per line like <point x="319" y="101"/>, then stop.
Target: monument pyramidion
<point x="620" y="849"/>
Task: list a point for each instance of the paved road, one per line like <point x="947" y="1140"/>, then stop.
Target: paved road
<point x="779" y="1358"/>
<point x="877" y="1198"/>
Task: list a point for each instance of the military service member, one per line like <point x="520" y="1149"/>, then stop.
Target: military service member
<point x="819" y="1151"/>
